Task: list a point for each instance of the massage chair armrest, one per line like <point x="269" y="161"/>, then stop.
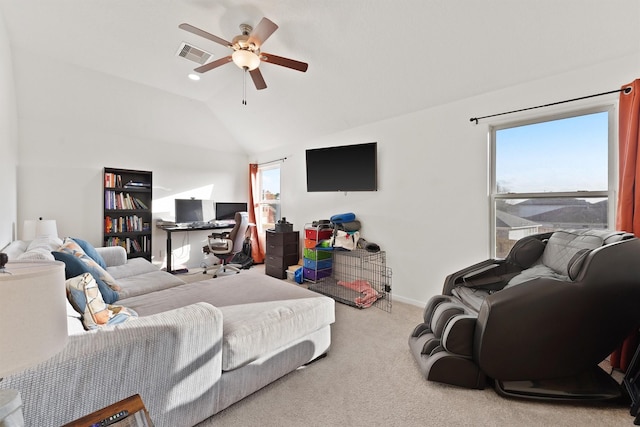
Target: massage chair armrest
<point x="548" y="328"/>
<point x="494" y="274"/>
<point x="491" y="274"/>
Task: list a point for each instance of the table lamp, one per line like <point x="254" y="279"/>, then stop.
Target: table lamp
<point x="33" y="323"/>
<point x="32" y="228"/>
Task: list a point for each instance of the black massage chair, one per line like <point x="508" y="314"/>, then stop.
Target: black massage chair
<point x="538" y="323"/>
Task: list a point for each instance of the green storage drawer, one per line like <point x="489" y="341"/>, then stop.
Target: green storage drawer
<point x="315" y="254"/>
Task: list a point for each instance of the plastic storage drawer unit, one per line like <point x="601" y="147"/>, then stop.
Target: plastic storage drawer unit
<point x="317" y="265"/>
<point x="318" y="234"/>
<point x="314" y="275"/>
<point x="316" y="255"/>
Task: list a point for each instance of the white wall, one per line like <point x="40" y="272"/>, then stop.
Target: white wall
<point x="73" y="122"/>
<point x="8" y="141"/>
<point x="430" y="214"/>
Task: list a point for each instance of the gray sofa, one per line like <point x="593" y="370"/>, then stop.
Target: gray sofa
<point x="194" y="350"/>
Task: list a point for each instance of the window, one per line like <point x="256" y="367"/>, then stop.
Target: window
<point x="551" y="174"/>
<point x="269" y="185"/>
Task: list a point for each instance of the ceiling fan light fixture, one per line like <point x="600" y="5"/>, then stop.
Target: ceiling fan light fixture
<point x="246" y="59"/>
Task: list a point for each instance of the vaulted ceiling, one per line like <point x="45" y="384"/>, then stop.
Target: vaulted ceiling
<point x="368" y="59"/>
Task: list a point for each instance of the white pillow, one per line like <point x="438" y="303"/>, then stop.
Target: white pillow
<point x="36" y="254"/>
<point x="15" y="249"/>
<point x="39" y="249"/>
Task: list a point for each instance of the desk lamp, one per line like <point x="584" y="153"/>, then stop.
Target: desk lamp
<point x="33" y="325"/>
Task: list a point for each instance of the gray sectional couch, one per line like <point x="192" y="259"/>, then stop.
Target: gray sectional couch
<point x="195" y="348"/>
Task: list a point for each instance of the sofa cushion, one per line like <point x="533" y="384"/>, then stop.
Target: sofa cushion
<point x="85" y="297"/>
<point x="132" y="267"/>
<point x="75" y="267"/>
<point x="70" y="246"/>
<point x="90" y="251"/>
<point x="144" y="283"/>
<point x="261" y="314"/>
<point x="252" y="330"/>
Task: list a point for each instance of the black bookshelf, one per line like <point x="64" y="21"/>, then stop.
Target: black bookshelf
<point x="127" y="210"/>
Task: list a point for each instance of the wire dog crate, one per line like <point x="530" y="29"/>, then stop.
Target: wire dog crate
<point x="359" y="278"/>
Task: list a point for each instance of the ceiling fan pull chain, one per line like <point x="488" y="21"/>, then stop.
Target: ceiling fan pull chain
<point x="244" y="87"/>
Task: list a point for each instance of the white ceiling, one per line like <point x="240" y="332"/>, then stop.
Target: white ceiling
<point x="368" y="59"/>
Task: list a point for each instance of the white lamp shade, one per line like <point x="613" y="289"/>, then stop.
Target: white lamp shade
<point x="33" y="314"/>
<point x="246" y="59"/>
<point x="39" y="228"/>
<point x="29" y="229"/>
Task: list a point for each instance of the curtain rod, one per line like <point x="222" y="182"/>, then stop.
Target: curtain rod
<point x="626" y="91"/>
<point x="272" y="161"/>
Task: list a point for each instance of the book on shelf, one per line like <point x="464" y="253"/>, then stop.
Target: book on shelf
<point x="124" y="224"/>
<point x="112" y="180"/>
<point x="137" y="184"/>
<point x="119" y="200"/>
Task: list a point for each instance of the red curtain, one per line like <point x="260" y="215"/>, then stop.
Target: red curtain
<point x="257" y="241"/>
<point x="628" y="208"/>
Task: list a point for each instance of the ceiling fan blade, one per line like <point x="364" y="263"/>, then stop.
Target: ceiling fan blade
<point x="202" y="33"/>
<point x="211" y="65"/>
<point x="285" y="62"/>
<point x="262" y="32"/>
<point x="257" y="78"/>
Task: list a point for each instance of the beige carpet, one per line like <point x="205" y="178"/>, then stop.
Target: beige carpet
<point x="370" y="379"/>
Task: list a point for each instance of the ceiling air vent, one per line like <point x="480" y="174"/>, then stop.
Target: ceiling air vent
<point x="193" y="53"/>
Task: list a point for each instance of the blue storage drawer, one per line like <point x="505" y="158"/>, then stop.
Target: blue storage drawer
<point x="317" y="265"/>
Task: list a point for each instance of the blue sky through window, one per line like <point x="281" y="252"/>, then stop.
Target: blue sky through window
<point x="561" y="155"/>
<point x="271" y="180"/>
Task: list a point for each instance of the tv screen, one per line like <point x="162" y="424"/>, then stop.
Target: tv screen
<point x="343" y="168"/>
<point x="190" y="211"/>
<point x="227" y="210"/>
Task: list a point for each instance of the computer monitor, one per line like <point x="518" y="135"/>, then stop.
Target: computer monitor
<point x="227" y="210"/>
<point x="193" y="211"/>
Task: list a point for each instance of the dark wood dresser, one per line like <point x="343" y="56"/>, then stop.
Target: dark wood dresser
<point x="281" y="252"/>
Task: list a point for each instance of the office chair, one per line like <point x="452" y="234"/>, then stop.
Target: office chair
<point x="224" y="245"/>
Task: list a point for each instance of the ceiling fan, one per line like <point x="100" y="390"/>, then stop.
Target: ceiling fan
<point x="246" y="50"/>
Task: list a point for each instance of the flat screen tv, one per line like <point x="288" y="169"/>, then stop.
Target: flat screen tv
<point x="343" y="168"/>
<point x="193" y="211"/>
<point x="227" y="210"/>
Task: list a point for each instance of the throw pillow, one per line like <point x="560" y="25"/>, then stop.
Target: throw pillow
<point x="39" y="249"/>
<point x="90" y="251"/>
<point x="85" y="298"/>
<point x="70" y="246"/>
<point x="75" y="267"/>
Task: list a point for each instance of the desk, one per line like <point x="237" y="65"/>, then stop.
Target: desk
<point x="177" y="229"/>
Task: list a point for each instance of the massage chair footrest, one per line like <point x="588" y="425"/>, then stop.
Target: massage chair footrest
<point x="592" y="385"/>
<point x="444" y="367"/>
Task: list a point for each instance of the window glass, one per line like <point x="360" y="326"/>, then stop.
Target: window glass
<point x="269" y="181"/>
<point x="550" y="175"/>
<point x="560" y="155"/>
